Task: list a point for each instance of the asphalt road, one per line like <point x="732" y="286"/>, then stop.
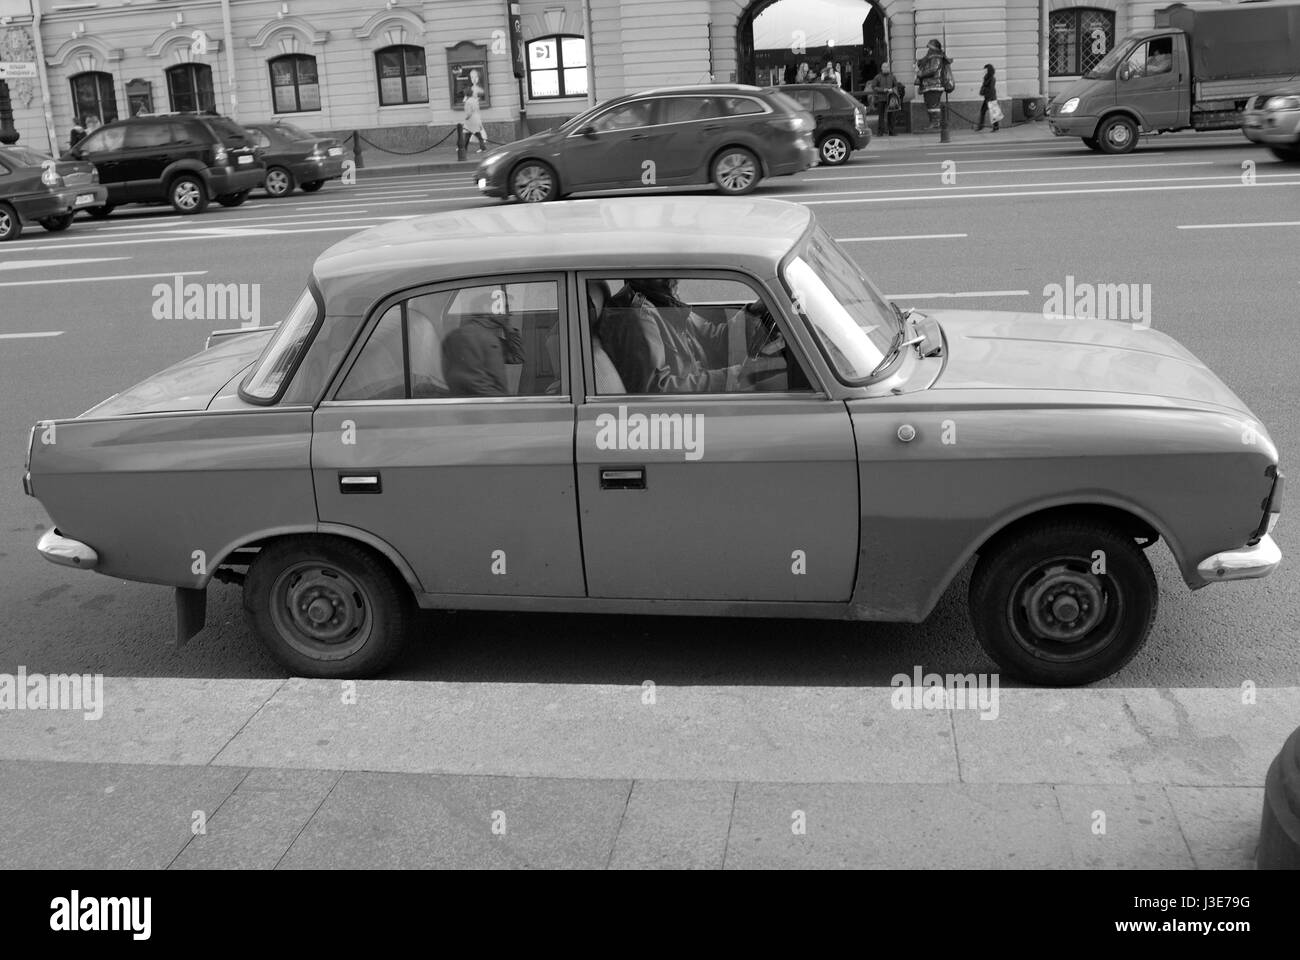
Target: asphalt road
<point x="980" y="223"/>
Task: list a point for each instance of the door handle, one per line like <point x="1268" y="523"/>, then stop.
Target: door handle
<point x="713" y="128"/>
<point x="360" y="483"/>
<point x="639" y="136"/>
<point x="622" y="478"/>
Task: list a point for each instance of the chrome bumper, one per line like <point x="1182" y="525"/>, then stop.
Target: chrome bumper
<point x="1245" y="563"/>
<point x="57" y="548"/>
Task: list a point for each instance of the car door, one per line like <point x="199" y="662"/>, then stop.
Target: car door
<point x="146" y="152"/>
<point x="1153" y="80"/>
<point x="614" y="150"/>
<point x="686" y="126"/>
<point x="449" y="435"/>
<point x="103" y="148"/>
<point x="745" y="493"/>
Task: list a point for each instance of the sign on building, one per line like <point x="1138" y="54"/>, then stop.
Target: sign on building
<point x="17" y="70"/>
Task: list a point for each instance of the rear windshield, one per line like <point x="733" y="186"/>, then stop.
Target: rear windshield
<point x="22" y="156"/>
<point x="227" y="129"/>
<point x="298" y="133"/>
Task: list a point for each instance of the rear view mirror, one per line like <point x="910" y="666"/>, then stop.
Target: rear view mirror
<point x="1124" y="72"/>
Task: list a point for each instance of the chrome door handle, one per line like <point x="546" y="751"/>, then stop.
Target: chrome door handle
<point x="626" y="478"/>
<point x="360" y="483"/>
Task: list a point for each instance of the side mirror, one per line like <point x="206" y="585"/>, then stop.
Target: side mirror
<point x="589" y="132"/>
<point x="1124" y="72"/>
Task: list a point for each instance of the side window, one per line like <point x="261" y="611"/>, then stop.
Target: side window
<point x="739" y="106"/>
<point x="147" y="135"/>
<point x="493" y="340"/>
<point x="259" y="138"/>
<point x="1152" y="58"/>
<point x="180" y="133"/>
<point x="103" y="141"/>
<point x="625" y="117"/>
<point x="688" y="335"/>
<point x="685" y="109"/>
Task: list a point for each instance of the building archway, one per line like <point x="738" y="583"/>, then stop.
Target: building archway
<point x="871" y="48"/>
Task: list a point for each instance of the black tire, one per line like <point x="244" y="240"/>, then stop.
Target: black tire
<point x="534" y="181"/>
<point x="101" y="212"/>
<point x="187" y="195"/>
<point x="1092" y="143"/>
<point x="311" y="186"/>
<point x="1289" y="154"/>
<point x="735" y="171"/>
<point x="834" y="150"/>
<point x="11" y="225"/>
<point x="233" y="199"/>
<point x="279" y="182"/>
<point x="57" y="224"/>
<point x="1019" y="620"/>
<point x="1117" y="135"/>
<point x="295" y="581"/>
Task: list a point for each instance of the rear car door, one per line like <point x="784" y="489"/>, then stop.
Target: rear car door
<point x="146" y="152"/>
<point x="745" y="492"/>
<point x="687" y="125"/>
<point x="449" y="434"/>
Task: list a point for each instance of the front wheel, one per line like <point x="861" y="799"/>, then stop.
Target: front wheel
<point x="233" y="199"/>
<point x="534" y="182"/>
<point x="834" y="150"/>
<point x="1063" y="603"/>
<point x="326" y="608"/>
<point x="58" y="223"/>
<point x="1117" y="135"/>
<point x="11" y="228"/>
<point x="735" y="171"/>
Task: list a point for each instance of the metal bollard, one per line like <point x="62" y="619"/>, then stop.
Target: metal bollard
<point x="356" y="150"/>
<point x="460" y="141"/>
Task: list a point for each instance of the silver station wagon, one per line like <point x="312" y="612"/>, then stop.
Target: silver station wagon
<point x="691" y="405"/>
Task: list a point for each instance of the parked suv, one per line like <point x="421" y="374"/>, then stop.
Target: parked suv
<point x="185" y="159"/>
<point x="728" y="135"/>
<point x="841" y="121"/>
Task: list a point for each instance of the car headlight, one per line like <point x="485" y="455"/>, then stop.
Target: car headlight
<point x="1070" y="105"/>
<point x="492" y="159"/>
<point x="1282" y="103"/>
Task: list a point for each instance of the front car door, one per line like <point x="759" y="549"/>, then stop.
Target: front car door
<point x="615" y="149"/>
<point x="1152" y="79"/>
<point x="725" y="479"/>
<point x="449" y="435"/>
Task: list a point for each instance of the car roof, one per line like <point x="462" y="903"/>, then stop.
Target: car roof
<point x="617" y="233"/>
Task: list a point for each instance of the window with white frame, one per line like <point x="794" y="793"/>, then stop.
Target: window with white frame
<point x="557" y="67"/>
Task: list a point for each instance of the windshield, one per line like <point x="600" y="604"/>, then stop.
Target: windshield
<point x="582" y="118"/>
<point x="854" y="324"/>
<point x="1108" y="63"/>
<point x="280" y="358"/>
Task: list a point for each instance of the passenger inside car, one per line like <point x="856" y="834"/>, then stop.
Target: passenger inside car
<point x="475" y="354"/>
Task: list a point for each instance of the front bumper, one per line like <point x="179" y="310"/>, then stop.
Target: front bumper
<point x="1072" y="125"/>
<point x="56" y="203"/>
<point x="1280" y="127"/>
<point x="66" y="552"/>
<point x="1244" y="563"/>
<point x="491" y="183"/>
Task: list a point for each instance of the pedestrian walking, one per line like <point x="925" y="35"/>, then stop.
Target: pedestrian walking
<point x="474" y="119"/>
<point x="989" y="109"/>
<point x="887" y="93"/>
<point x="934" y="78"/>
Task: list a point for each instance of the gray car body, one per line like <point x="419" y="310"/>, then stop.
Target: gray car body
<point x="1019" y="418"/>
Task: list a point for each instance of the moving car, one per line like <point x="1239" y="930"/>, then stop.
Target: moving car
<point x="1273" y="119"/>
<point x="841" y="121"/>
<point x="295" y="158"/>
<point x="185" y="159"/>
<point x="34" y="188"/>
<point x="683" y="405"/>
<point x="730" y="136"/>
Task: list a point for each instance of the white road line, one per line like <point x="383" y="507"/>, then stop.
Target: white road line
<point x="31" y="336"/>
<point x="909" y="236"/>
<point x="957" y="296"/>
<point x="188" y="224"/>
<point x="937" y="170"/>
<point x="1037" y="193"/>
<point x="811" y="174"/>
<point x="126" y="276"/>
<point x="1237" y="226"/>
<point x="25" y="264"/>
<point x="1234" y="177"/>
<point x="198" y="235"/>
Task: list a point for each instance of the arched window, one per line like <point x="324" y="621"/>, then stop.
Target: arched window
<point x="1078" y="38"/>
<point x="402" y="74"/>
<point x="93" y="96"/>
<point x="557" y="67"/>
<point x="295" y="85"/>
<point x="189" y="88"/>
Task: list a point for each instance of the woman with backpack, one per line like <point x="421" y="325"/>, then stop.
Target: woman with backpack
<point x="989" y="91"/>
<point x="934" y="77"/>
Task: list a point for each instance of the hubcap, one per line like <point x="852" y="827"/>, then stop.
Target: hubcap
<point x="277" y="182"/>
<point x="736" y="172"/>
<point x="532" y="184"/>
<point x="187" y="195"/>
<point x="834" y="150"/>
<point x="320" y="610"/>
<point x="5" y="223"/>
<point x="1119" y="135"/>
<point x="1061" y="611"/>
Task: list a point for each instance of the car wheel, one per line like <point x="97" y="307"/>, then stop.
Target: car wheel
<point x="1092" y="143"/>
<point x="101" y="212"/>
<point x="534" y="182"/>
<point x="57" y="224"/>
<point x="11" y="228"/>
<point x="326" y="608"/>
<point x="1063" y="603"/>
<point x="312" y="186"/>
<point x="187" y="195"/>
<point x="233" y="199"/>
<point x="735" y="171"/>
<point x="279" y="182"/>
<point x="834" y="150"/>
<point x="1117" y="135"/>
<point x="1291" y="154"/>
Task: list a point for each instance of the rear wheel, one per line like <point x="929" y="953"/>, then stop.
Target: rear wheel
<point x="57" y="224"/>
<point x="1092" y="143"/>
<point x="101" y="212"/>
<point x="187" y="195"/>
<point x="1291" y="154"/>
<point x="327" y="608"/>
<point x="534" y="182"/>
<point x="834" y="149"/>
<point x="279" y="182"/>
<point x="11" y="228"/>
<point x="735" y="171"/>
<point x="233" y="199"/>
<point x="1117" y="135"/>
<point x="311" y="186"/>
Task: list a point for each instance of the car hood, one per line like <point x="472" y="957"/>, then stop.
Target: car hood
<point x="190" y="384"/>
<point x="1021" y="351"/>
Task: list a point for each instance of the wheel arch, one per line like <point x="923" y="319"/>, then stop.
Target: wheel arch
<point x="560" y="185"/>
<point x="1119" y="111"/>
<point x="747" y="147"/>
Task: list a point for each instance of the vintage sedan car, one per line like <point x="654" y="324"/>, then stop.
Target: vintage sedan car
<point x="1273" y="119"/>
<point x="35" y="188"/>
<point x="693" y="405"/>
<point x="295" y="158"/>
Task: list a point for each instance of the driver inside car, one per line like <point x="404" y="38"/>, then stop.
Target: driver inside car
<point x="659" y="344"/>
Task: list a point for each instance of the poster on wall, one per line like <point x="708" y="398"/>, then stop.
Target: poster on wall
<point x="467" y="68"/>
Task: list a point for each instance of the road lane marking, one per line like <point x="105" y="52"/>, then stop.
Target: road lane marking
<point x="1034" y="193"/>
<point x="1235" y="179"/>
<point x="937" y="170"/>
<point x="125" y="276"/>
<point x="1238" y="226"/>
<point x="931" y="164"/>
<point x="907" y="236"/>
<point x="31" y="336"/>
<point x="25" y="264"/>
<point x="962" y="295"/>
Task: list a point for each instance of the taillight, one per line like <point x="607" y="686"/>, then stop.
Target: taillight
<point x="798" y="123"/>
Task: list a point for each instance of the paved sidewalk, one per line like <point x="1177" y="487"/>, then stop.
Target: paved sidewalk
<point x="300" y="773"/>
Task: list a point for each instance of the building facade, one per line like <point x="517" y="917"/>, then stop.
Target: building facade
<point x="394" y="69"/>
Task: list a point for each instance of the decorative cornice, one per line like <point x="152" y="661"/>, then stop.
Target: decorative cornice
<point x="295" y="24"/>
<point x="396" y="16"/>
<point x="98" y="47"/>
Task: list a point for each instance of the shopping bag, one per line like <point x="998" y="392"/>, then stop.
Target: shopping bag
<point x="995" y="112"/>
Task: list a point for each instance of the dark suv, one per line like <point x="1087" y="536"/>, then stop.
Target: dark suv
<point x="185" y="159"/>
<point x="728" y="135"/>
<point x="841" y="121"/>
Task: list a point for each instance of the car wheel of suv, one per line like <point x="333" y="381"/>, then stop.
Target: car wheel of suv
<point x="1286" y="153"/>
<point x="279" y="182"/>
<point x="11" y="228"/>
<point x="311" y="186"/>
<point x="57" y="224"/>
<point x="1063" y="603"/>
<point x="735" y="171"/>
<point x="1118" y="135"/>
<point x="534" y="182"/>
<point x="834" y="149"/>
<point x="1092" y="143"/>
<point x="101" y="212"/>
<point x="187" y="195"/>
<point x="326" y="608"/>
<point x="233" y="199"/>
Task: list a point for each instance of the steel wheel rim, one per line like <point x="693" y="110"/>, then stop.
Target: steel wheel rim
<point x="186" y="194"/>
<point x="277" y="183"/>
<point x="1119" y="134"/>
<point x="532" y="184"/>
<point x="321" y="611"/>
<point x="736" y="172"/>
<point x="834" y="149"/>
<point x="1059" y="611"/>
<point x="6" y="223"/>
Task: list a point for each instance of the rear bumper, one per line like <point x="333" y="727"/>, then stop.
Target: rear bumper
<point x="309" y="171"/>
<point x="802" y="156"/>
<point x="59" y="202"/>
<point x="1244" y="563"/>
<point x="227" y="180"/>
<point x="66" y="552"/>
